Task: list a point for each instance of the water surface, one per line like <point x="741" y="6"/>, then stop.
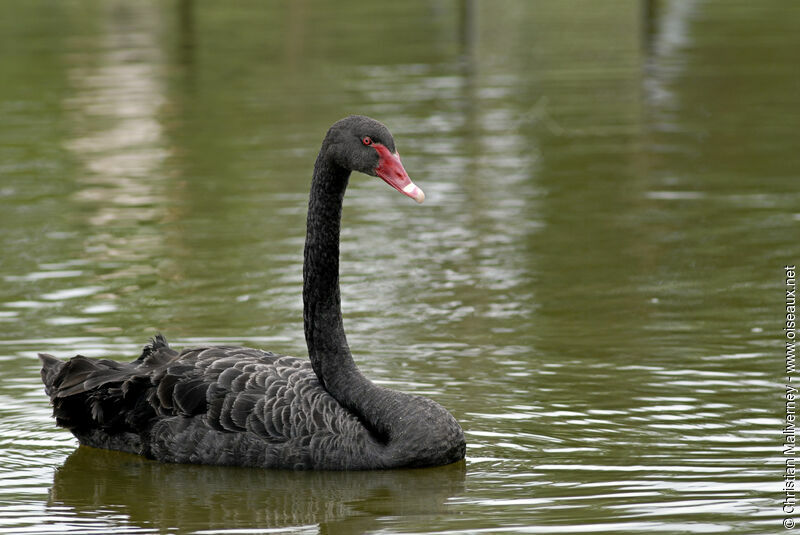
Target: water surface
<point x="594" y="286"/>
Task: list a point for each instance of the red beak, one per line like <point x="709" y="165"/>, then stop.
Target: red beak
<point x="391" y="170"/>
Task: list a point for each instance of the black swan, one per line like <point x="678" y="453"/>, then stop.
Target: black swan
<point x="227" y="405"/>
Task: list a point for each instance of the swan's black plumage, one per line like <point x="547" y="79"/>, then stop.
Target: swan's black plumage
<point x="230" y="405"/>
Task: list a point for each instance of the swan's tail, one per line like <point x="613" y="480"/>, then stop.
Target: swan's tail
<point x="51" y="367"/>
<point x="102" y="395"/>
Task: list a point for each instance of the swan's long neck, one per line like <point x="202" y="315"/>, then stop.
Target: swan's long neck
<point x="322" y="314"/>
<point x="410" y="430"/>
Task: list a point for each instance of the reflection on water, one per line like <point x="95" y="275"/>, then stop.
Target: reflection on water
<point x="591" y="286"/>
<point x="118" y="139"/>
<point x="214" y="498"/>
<point x="114" y="110"/>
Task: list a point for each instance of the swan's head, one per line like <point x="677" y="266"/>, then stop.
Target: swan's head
<point x="363" y="144"/>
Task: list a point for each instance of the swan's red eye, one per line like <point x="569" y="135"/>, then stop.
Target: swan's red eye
<point x="366" y="140"/>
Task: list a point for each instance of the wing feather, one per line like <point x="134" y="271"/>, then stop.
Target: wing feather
<point x="189" y="396"/>
<point x="199" y="405"/>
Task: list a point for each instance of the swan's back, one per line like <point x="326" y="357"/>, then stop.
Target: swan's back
<point x="210" y="405"/>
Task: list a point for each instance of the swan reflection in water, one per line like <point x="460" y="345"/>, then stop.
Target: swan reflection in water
<point x="189" y="497"/>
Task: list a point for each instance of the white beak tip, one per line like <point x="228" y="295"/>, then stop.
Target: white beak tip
<point x="414" y="192"/>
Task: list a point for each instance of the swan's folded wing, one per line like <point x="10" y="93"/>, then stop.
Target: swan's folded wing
<point x="181" y="407"/>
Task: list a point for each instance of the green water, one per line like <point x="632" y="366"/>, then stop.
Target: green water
<point x="594" y="286"/>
